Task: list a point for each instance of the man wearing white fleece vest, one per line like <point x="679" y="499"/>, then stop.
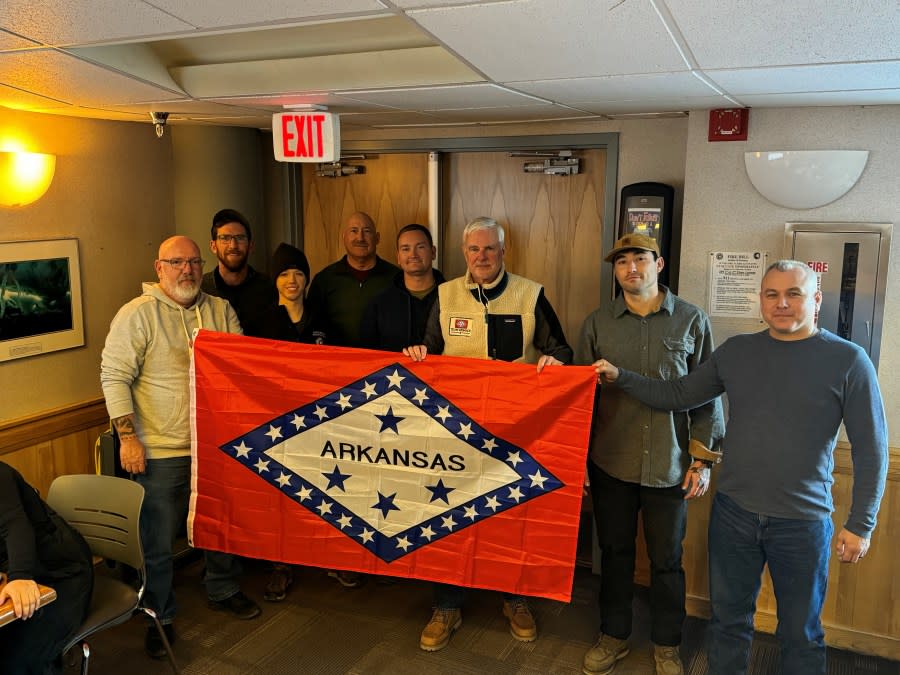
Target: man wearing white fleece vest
<point x="488" y="314"/>
<point x="145" y="373"/>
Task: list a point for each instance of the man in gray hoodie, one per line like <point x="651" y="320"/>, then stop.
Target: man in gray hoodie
<point x="145" y="374"/>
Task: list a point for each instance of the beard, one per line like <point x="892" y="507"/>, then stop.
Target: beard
<point x="181" y="291"/>
<point x="233" y="264"/>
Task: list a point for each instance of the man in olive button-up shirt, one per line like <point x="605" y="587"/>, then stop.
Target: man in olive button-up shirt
<point x="639" y="457"/>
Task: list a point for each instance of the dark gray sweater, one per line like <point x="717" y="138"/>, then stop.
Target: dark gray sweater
<point x="786" y="403"/>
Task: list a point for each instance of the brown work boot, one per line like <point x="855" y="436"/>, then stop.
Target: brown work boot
<point x="521" y="623"/>
<point x="604" y="655"/>
<point x="668" y="660"/>
<point x="437" y="633"/>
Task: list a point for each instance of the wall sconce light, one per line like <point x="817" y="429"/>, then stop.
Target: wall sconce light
<point x="24" y="176"/>
<point x="804" y="179"/>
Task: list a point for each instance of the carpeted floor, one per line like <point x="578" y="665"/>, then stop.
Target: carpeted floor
<point x="322" y="628"/>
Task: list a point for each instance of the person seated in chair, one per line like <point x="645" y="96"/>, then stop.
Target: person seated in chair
<point x="38" y="546"/>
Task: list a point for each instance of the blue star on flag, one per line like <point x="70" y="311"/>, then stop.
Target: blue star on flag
<point x="385" y="504"/>
<point x="440" y="491"/>
<point x="389" y="421"/>
<point x="336" y="478"/>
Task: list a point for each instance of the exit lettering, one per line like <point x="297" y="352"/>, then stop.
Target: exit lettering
<point x="306" y="136"/>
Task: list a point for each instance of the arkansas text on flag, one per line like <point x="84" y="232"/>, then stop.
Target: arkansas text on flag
<point x="455" y="470"/>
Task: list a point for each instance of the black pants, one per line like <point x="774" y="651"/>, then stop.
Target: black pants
<point x="32" y="647"/>
<point x="664" y="514"/>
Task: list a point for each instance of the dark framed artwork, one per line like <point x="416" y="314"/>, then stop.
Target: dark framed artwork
<point x="40" y="297"/>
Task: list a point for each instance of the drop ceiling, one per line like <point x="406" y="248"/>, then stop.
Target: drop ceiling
<point x="411" y="63"/>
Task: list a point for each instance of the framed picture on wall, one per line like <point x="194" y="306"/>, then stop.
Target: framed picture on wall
<point x="40" y="297"/>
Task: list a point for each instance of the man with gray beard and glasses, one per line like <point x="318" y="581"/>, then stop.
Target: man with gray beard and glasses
<point x="145" y="374"/>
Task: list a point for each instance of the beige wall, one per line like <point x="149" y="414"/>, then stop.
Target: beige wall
<point x="217" y="168"/>
<point x="113" y="192"/>
<point x="723" y="211"/>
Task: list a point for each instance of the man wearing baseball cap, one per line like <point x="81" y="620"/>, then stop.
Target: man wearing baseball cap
<point x="639" y="456"/>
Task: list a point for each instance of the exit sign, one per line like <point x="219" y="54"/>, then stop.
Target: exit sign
<point x="306" y="136"/>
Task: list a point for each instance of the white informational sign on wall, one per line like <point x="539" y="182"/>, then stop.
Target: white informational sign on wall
<point x="734" y="279"/>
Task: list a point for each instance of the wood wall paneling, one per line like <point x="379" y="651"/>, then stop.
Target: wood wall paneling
<point x="553" y="224"/>
<point x="393" y="190"/>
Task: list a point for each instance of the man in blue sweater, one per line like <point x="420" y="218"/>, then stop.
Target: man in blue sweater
<point x="789" y="388"/>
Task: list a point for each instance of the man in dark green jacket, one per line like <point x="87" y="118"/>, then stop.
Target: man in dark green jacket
<point x="339" y="294"/>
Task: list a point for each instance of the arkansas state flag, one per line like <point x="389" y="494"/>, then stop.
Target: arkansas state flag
<point x="456" y="470"/>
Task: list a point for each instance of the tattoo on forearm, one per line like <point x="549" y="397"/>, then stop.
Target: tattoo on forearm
<point x="125" y="426"/>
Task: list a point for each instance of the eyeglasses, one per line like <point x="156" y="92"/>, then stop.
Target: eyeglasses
<point x="179" y="263"/>
<point x="236" y="238"/>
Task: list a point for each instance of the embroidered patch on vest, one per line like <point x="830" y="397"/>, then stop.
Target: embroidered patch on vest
<point x="460" y="327"/>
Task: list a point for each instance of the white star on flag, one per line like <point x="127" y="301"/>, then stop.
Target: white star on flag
<point x="242" y="450"/>
<point x="273" y="432"/>
<point x="514" y="458"/>
<point x="515" y="494"/>
<point x="261" y="465"/>
<point x="320" y="412"/>
<point x="537" y="479"/>
<point x="366" y="535"/>
<point x="443" y="412"/>
<point x="345" y="521"/>
<point x="404" y="543"/>
<point x="492" y="503"/>
<point x="465" y="430"/>
<point x="298" y="421"/>
<point x="283" y="479"/>
<point x="369" y="390"/>
<point x="471" y="513"/>
<point x="395" y="379"/>
<point x="420" y="396"/>
<point x="344" y="401"/>
<point x="304" y="493"/>
<point x="324" y="507"/>
<point x="448" y="523"/>
<point x="427" y="532"/>
<point x="489" y="444"/>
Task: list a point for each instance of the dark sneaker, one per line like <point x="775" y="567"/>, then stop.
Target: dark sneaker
<point x="668" y="660"/>
<point x="238" y="604"/>
<point x="604" y="655"/>
<point x="280" y="581"/>
<point x="347" y="579"/>
<point x="153" y="642"/>
<point x="437" y="633"/>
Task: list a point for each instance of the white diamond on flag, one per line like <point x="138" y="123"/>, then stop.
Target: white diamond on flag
<point x="391" y="463"/>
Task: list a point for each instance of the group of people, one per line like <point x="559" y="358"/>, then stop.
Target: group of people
<point x="658" y="420"/>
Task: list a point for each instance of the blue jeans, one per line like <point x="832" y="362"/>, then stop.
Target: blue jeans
<point x="167" y="494"/>
<point x="664" y="512"/>
<point x="741" y="543"/>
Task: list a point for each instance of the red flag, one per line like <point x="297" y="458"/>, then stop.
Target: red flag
<point x="456" y="470"/>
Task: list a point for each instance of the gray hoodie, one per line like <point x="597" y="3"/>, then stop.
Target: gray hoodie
<point x="145" y="366"/>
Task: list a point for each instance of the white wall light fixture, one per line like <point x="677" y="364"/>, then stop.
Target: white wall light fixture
<point x="804" y="179"/>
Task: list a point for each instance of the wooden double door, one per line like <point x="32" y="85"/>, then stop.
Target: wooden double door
<point x="553" y="223"/>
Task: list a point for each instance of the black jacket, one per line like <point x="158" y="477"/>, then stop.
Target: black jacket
<point x="395" y="318"/>
<point x="250" y="299"/>
<point x="276" y="324"/>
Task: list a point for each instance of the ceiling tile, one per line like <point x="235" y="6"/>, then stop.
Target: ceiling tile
<point x="528" y="113"/>
<point x="188" y="107"/>
<point x="223" y="13"/>
<point x="443" y="98"/>
<point x="849" y="76"/>
<point x="737" y="34"/>
<point x="669" y="104"/>
<point x="65" y="22"/>
<point x="277" y="103"/>
<point x="11" y="97"/>
<point x="388" y="118"/>
<point x="97" y="113"/>
<point x="617" y="88"/>
<point x="10" y="41"/>
<point x="58" y="75"/>
<point x="829" y="98"/>
<point x="549" y="39"/>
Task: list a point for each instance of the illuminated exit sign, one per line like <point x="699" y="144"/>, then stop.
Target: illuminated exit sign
<point x="306" y="136"/>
